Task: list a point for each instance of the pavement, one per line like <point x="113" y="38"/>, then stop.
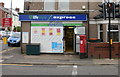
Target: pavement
<point x="13" y="56"/>
<point x="3" y="46"/>
<point x="58" y="59"/>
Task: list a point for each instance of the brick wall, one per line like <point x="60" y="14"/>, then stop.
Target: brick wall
<point x="101" y="50"/>
<point x="72" y="6"/>
<point x="1" y="13"/>
<point x="33" y="6"/>
<point x="25" y="28"/>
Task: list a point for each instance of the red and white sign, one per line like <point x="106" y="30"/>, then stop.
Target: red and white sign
<point x="7" y="22"/>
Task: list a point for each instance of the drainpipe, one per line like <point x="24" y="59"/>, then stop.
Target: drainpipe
<point x="88" y="27"/>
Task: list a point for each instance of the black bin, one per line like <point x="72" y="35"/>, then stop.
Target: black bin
<point x="33" y="49"/>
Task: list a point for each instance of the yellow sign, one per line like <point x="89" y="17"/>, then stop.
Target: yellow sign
<point x="51" y="31"/>
<point x="5" y="40"/>
<point x="58" y="33"/>
<point x="43" y="31"/>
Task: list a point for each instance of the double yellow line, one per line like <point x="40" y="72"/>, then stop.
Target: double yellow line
<point x="16" y="65"/>
<point x="8" y="50"/>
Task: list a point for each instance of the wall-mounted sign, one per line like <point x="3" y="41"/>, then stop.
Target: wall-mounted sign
<point x="54" y="17"/>
<point x="80" y="30"/>
<point x="52" y="24"/>
<point x="7" y="22"/>
<point x="56" y="23"/>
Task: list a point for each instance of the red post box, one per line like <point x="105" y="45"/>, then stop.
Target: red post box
<point x="82" y="46"/>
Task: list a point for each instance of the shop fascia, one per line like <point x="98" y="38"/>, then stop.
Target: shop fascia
<point x="54" y="17"/>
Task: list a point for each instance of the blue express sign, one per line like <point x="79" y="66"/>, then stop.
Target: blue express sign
<point x="55" y="17"/>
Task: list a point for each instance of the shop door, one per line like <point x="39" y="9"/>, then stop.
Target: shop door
<point x="69" y="39"/>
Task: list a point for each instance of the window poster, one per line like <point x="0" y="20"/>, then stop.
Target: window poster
<point x="50" y="31"/>
<point x="25" y="37"/>
<point x="58" y="31"/>
<point x="43" y="31"/>
<point x="48" y="38"/>
<point x="35" y="31"/>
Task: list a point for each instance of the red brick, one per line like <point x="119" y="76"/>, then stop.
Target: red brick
<point x="101" y="50"/>
<point x="2" y="14"/>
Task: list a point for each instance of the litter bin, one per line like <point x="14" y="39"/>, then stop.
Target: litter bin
<point x="33" y="49"/>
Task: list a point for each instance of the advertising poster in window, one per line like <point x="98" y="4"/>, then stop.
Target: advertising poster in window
<point x="43" y="31"/>
<point x="50" y="38"/>
<point x="50" y="31"/>
<point x="25" y="37"/>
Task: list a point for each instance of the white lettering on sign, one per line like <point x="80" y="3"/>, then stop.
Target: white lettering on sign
<point x="64" y="17"/>
<point x="35" y="17"/>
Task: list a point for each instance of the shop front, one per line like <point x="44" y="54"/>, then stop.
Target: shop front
<point x="56" y="33"/>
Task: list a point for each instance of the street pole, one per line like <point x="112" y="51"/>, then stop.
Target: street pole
<point x="11" y="14"/>
<point x="88" y="19"/>
<point x="109" y="34"/>
<point x="11" y="8"/>
<point x="88" y="26"/>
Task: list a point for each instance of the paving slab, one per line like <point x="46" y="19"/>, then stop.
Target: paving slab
<point x="48" y="59"/>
